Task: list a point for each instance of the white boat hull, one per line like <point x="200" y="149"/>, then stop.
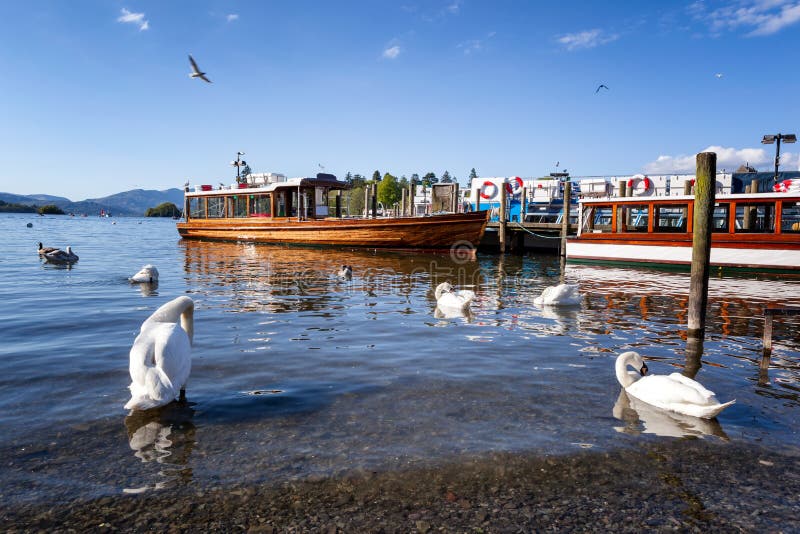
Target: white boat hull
<point x="737" y="258"/>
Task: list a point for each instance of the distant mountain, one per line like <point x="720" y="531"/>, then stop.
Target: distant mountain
<point x="130" y="203"/>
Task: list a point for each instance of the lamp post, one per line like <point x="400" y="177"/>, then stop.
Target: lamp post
<point x="239" y="163"/>
<point x="786" y="138"/>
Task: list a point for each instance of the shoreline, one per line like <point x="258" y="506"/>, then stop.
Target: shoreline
<point x="680" y="485"/>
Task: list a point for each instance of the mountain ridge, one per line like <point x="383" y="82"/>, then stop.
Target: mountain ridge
<point x="132" y="203"/>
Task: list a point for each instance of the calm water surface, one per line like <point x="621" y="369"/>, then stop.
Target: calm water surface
<point x="298" y="374"/>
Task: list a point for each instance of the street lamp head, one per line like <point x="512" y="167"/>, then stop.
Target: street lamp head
<point x="790" y="138"/>
<point x="768" y="140"/>
<point x="240" y="153"/>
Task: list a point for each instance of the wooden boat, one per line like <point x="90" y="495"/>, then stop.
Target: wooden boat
<point x="295" y="211"/>
<point x="757" y="232"/>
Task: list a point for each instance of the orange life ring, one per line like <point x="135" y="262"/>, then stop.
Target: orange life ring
<point x="488" y="184"/>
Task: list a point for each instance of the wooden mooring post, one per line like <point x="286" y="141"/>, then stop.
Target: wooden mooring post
<point x="769" y="316"/>
<point x="704" y="186"/>
<point x="501" y="231"/>
<point x="565" y="218"/>
<point x="403" y="202"/>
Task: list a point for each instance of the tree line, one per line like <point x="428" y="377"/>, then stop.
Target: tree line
<point x="390" y="187"/>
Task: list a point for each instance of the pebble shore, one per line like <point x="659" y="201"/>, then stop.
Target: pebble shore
<point x="670" y="486"/>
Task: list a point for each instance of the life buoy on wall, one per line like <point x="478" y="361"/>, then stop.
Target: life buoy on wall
<point x="514" y="186"/>
<point x="488" y="190"/>
<point x="640" y="185"/>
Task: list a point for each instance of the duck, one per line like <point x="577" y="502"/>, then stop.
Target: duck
<point x="675" y="392"/>
<point x="161" y="356"/>
<point x="147" y="274"/>
<point x="44" y="250"/>
<point x="345" y="272"/>
<point x="61" y="256"/>
<point x="560" y="295"/>
<point x="449" y="298"/>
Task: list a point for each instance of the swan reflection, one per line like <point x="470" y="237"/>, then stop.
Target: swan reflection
<point x="148" y="289"/>
<point x="163" y="436"/>
<point x="641" y="418"/>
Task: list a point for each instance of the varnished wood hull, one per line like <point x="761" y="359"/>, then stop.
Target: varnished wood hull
<point x="435" y="232"/>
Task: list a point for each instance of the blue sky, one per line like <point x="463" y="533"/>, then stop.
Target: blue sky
<point x="95" y="96"/>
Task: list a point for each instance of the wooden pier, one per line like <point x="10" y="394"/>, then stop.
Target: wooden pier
<point x="525" y="236"/>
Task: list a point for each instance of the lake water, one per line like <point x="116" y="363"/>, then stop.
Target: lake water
<point x="297" y="374"/>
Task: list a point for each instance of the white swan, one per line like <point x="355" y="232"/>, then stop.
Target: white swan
<point x="61" y="256"/>
<point x="560" y="295"/>
<point x="448" y="298"/>
<point x="345" y="272"/>
<point x="641" y="418"/>
<point x="161" y="355"/>
<point x="147" y="274"/>
<point x="673" y="392"/>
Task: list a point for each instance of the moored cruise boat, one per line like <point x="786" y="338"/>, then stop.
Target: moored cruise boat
<point x="757" y="232"/>
<point x="272" y="209"/>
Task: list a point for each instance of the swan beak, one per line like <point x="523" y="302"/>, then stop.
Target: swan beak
<point x="643" y="370"/>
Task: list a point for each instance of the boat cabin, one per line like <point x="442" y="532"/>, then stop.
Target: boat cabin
<point x="765" y="213"/>
<point x="268" y="196"/>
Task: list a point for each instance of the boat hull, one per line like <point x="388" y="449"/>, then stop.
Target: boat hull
<point x="434" y="232"/>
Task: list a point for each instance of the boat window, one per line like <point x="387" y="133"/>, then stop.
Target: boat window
<point x="216" y="207"/>
<point x="597" y="218"/>
<point x="671" y="218"/>
<point x="281" y="201"/>
<point x="237" y="206"/>
<point x="635" y="218"/>
<point x="260" y="206"/>
<point x="720" y="218"/>
<point x="790" y="218"/>
<point x="197" y="207"/>
<point x="755" y="218"/>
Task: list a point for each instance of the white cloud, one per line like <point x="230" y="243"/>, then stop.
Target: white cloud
<point x="586" y="39"/>
<point x="134" y="18"/>
<point x="475" y="45"/>
<point x="727" y="158"/>
<point x="760" y="17"/>
<point x="392" y="52"/>
<point x="454" y="6"/>
<point x="232" y="17"/>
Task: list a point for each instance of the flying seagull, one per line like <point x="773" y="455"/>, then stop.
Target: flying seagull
<point x="196" y="71"/>
<point x="718" y="75"/>
<point x="601" y="86"/>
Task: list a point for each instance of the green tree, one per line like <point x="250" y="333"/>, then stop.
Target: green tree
<point x="446" y="178"/>
<point x="355" y="203"/>
<point x="376" y="176"/>
<point x="415" y="178"/>
<point x="430" y="178"/>
<point x="472" y="175"/>
<point x="358" y="181"/>
<point x="51" y="209"/>
<point x="165" y="209"/>
<point x="348" y="178"/>
<point x="6" y="207"/>
<point x="389" y="191"/>
<point x="246" y="171"/>
<point x="403" y="182"/>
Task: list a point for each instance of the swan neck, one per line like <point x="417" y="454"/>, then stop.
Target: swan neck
<point x="187" y="322"/>
<point x="623" y="377"/>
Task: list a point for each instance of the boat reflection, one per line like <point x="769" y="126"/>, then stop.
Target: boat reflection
<point x="735" y="305"/>
<point x="164" y="436"/>
<point x="641" y="418"/>
<point x="278" y="279"/>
